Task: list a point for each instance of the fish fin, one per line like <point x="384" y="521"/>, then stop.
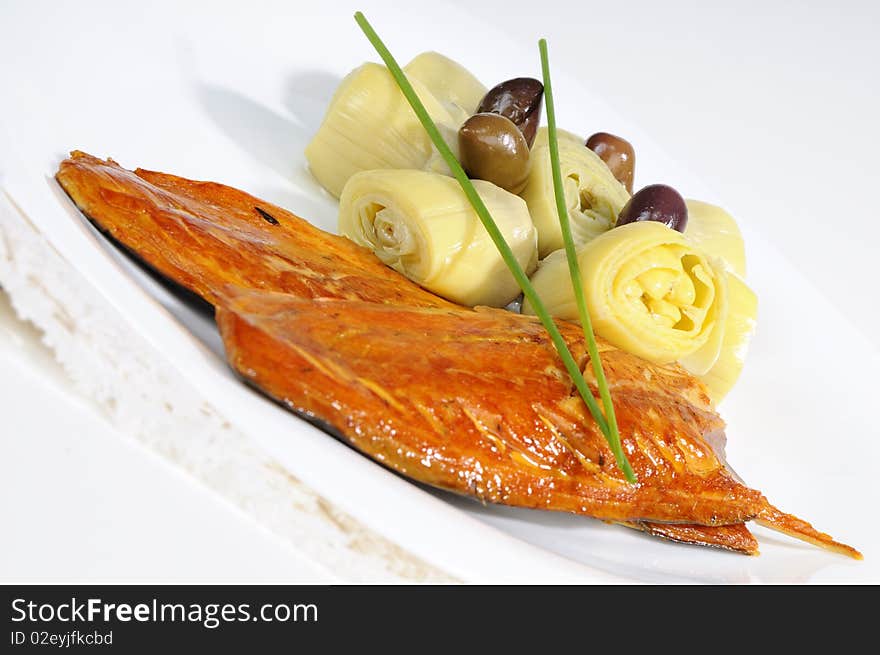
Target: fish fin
<point x="772" y="518"/>
<point x="735" y="537"/>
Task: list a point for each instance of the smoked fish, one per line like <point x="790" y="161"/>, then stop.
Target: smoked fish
<point x="474" y="401"/>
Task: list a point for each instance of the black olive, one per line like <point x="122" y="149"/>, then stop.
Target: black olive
<point x="519" y="100"/>
<point x="656" y="202"/>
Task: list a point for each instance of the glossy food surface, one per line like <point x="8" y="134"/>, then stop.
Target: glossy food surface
<point x="493" y="149"/>
<point x="475" y="402"/>
<point x="519" y="100"/>
<point x="657" y="202"/>
<point x="618" y="154"/>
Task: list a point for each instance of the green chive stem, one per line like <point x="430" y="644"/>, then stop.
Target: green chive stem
<point x="494" y="233"/>
<point x="613" y="434"/>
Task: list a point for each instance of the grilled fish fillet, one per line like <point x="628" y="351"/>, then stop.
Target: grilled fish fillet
<point x="472" y="401"/>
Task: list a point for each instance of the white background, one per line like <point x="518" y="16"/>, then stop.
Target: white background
<point x="774" y="103"/>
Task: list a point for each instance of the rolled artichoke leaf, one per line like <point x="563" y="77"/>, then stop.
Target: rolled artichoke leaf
<point x="703" y="359"/>
<point x="593" y="196"/>
<point x="739" y="327"/>
<point x="422" y="225"/>
<point x="542" y="137"/>
<point x="715" y="231"/>
<point x="370" y="125"/>
<point x="450" y="82"/>
<point x="648" y="292"/>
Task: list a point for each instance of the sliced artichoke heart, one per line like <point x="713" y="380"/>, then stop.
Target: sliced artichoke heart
<point x="450" y="82"/>
<point x="714" y="231"/>
<point x="739" y="327"/>
<point x="389" y="233"/>
<point x="593" y="196"/>
<point x="648" y="292"/>
<point x="422" y="225"/>
<point x="370" y="125"/>
<point x="714" y="281"/>
<point x="542" y="137"/>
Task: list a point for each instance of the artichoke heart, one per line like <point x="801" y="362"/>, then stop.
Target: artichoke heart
<point x="542" y="137"/>
<point x="450" y="82"/>
<point x="422" y="225"/>
<point x="370" y="125"/>
<point x="648" y="291"/>
<point x="714" y="231"/>
<point x="593" y="196"/>
<point x="738" y="329"/>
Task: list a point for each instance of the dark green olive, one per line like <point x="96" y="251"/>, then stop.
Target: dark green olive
<point x="492" y="148"/>
<point x="656" y="202"/>
<point x="519" y="100"/>
<point x="618" y="154"/>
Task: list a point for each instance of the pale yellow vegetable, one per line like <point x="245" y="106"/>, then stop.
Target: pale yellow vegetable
<point x="714" y="231"/>
<point x="703" y="358"/>
<point x="541" y="138"/>
<point x="450" y="82"/>
<point x="593" y="196"/>
<point x="742" y="316"/>
<point x="422" y="225"/>
<point x="370" y="125"/>
<point x="648" y="291"/>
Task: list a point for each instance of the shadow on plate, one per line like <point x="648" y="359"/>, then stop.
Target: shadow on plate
<point x="268" y="137"/>
<point x="273" y="139"/>
<point x="306" y="96"/>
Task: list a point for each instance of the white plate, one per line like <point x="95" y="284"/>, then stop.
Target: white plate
<point x="232" y="92"/>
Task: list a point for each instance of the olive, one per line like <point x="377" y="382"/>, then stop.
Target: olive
<point x="519" y="100"/>
<point x="618" y="154"/>
<point x="492" y="148"/>
<point x="656" y="202"/>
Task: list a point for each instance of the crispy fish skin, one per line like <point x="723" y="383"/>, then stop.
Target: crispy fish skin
<point x="476" y="402"/>
<point x="204" y="235"/>
<point x="472" y="401"/>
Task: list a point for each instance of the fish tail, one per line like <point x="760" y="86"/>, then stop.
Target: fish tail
<point x="772" y="518"/>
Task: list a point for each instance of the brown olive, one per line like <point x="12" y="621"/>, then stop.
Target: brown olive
<point x="656" y="202"/>
<point x="618" y="154"/>
<point x="492" y="148"/>
<point x="519" y="100"/>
